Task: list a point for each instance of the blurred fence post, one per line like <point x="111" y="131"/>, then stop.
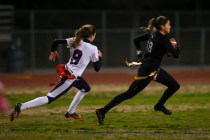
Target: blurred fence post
<point x="16" y="58"/>
<point x="60" y="58"/>
<point x="111" y="26"/>
<point x="104" y="37"/>
<point x="32" y="26"/>
<point x="177" y="33"/>
<point x="132" y="48"/>
<point x="202" y="51"/>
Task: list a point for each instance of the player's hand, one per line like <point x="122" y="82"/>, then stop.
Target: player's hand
<point x="53" y="56"/>
<point x="99" y="53"/>
<point x="173" y="42"/>
<point x="139" y="54"/>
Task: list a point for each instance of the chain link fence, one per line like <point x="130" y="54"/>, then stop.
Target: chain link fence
<point x="35" y="31"/>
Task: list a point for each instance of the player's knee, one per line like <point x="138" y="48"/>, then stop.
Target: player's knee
<point x="175" y="86"/>
<point x="50" y="99"/>
<point x="87" y="88"/>
<point x="81" y="84"/>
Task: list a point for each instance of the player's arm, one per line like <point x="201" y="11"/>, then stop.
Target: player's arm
<point x="172" y="48"/>
<point x="56" y="42"/>
<point x="139" y="39"/>
<point x="97" y="64"/>
<point x="137" y="42"/>
<point x="54" y="52"/>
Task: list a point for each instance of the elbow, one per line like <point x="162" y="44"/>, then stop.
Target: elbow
<point x="97" y="70"/>
<point x="135" y="41"/>
<point x="55" y="41"/>
<point x="97" y="65"/>
<point x="176" y="56"/>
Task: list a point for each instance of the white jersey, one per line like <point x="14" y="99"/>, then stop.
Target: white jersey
<point x="81" y="56"/>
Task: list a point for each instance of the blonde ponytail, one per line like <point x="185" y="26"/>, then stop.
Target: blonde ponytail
<point x="83" y="32"/>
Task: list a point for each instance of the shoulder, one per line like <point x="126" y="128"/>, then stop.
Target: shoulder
<point x="158" y="34"/>
<point x="89" y="45"/>
<point x="92" y="47"/>
<point x="145" y="34"/>
<point x="161" y="37"/>
<point x="69" y="41"/>
<point x="166" y="38"/>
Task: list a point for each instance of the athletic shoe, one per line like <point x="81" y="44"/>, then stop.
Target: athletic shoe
<point x="74" y="115"/>
<point x="100" y="116"/>
<point x="15" y="112"/>
<point x="163" y="109"/>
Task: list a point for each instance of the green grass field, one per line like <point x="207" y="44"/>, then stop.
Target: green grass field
<point x="133" y="119"/>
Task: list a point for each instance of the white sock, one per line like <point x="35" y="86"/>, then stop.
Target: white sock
<point x="33" y="103"/>
<point x="77" y="98"/>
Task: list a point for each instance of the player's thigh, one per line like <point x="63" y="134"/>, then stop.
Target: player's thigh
<point x="139" y="85"/>
<point x="61" y="88"/>
<point x="81" y="84"/>
<point x="165" y="78"/>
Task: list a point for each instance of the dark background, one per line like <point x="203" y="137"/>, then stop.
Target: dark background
<point x="110" y="4"/>
<point x="33" y="24"/>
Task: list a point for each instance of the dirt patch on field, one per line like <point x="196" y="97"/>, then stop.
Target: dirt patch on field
<point x="101" y="78"/>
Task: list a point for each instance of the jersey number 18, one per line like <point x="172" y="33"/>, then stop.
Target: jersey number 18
<point x="149" y="46"/>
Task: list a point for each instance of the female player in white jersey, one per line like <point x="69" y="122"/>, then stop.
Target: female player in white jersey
<point x="81" y="53"/>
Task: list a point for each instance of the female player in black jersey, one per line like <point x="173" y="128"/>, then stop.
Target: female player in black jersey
<point x="158" y="44"/>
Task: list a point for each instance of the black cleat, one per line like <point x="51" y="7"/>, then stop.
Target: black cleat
<point x="74" y="115"/>
<point x="163" y="109"/>
<point x="100" y="116"/>
<point x="15" y="112"/>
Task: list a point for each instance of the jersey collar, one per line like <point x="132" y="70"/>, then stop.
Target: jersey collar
<point x="86" y="40"/>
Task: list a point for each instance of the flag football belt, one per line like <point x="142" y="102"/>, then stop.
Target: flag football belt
<point x="152" y="74"/>
<point x="64" y="71"/>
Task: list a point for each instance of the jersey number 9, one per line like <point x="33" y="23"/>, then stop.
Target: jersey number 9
<point x="76" y="57"/>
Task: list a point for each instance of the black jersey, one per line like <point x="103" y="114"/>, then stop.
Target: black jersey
<point x="157" y="46"/>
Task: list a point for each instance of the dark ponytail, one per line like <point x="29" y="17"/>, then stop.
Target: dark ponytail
<point x="151" y="24"/>
<point x="155" y="23"/>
